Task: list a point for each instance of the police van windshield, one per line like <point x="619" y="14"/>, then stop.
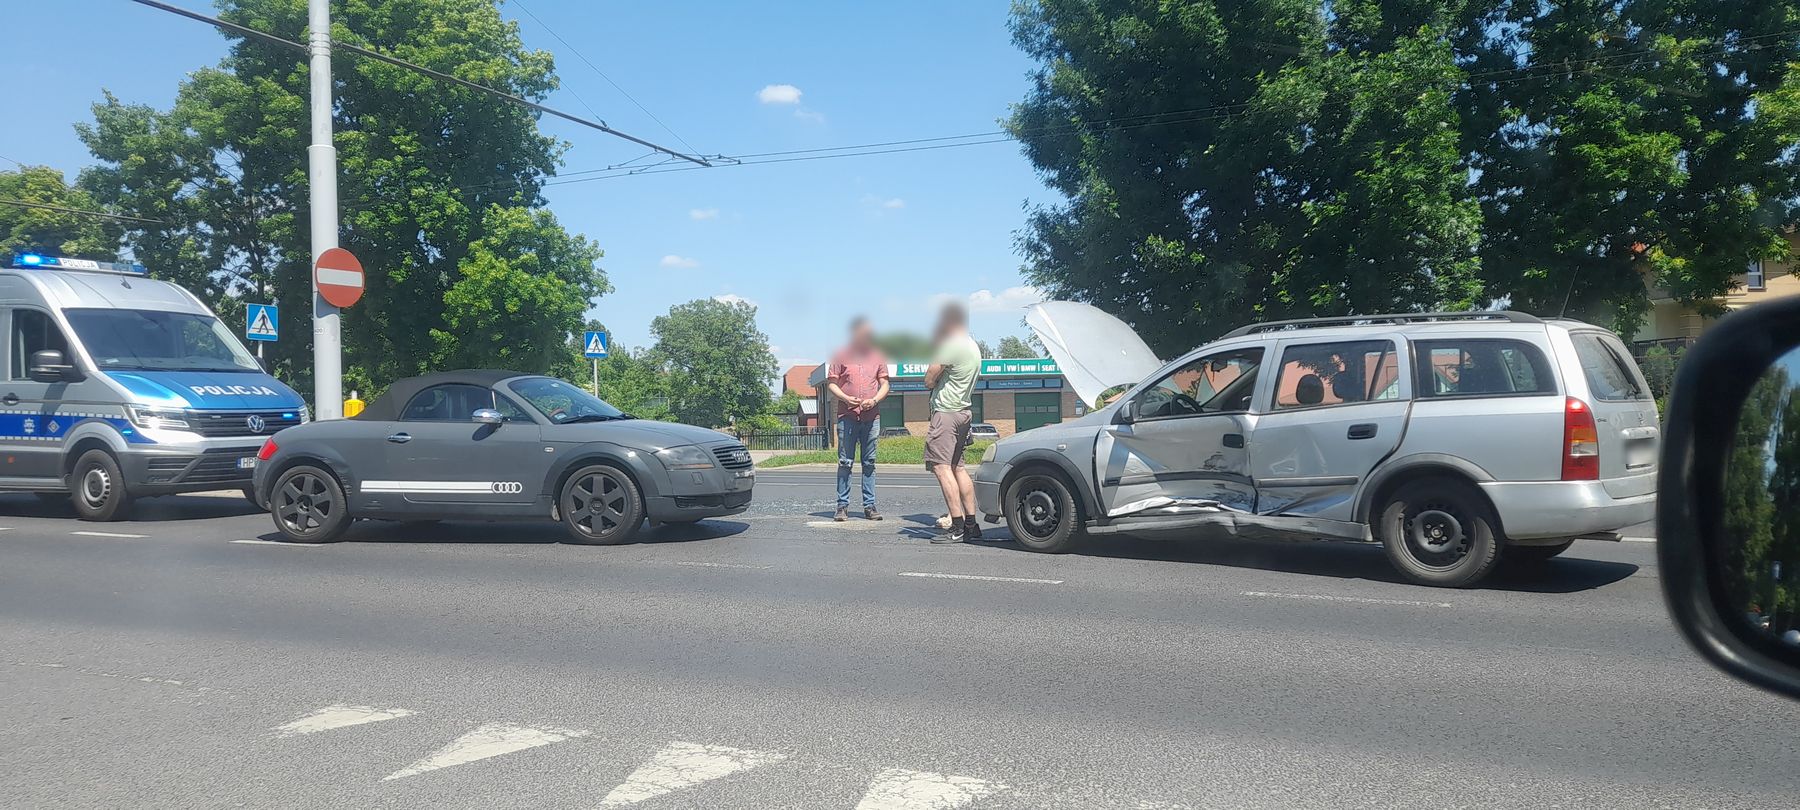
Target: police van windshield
<point x="145" y="340"/>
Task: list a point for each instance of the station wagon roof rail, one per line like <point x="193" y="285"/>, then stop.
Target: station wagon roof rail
<point x="1396" y="318"/>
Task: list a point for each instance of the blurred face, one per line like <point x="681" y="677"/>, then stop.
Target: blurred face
<point x="862" y="336"/>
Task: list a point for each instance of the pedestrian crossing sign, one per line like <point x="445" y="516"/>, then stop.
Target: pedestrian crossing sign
<point x="262" y="322"/>
<point x="595" y="344"/>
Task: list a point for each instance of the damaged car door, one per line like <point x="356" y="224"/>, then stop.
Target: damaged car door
<point x="1180" y="444"/>
<point x="1337" y="409"/>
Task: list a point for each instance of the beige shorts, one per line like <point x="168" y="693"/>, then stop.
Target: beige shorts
<point x="947" y="439"/>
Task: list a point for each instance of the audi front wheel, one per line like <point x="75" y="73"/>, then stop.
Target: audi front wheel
<point x="600" y="505"/>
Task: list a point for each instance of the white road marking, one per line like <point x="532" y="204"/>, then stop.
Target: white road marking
<point x="490" y="740"/>
<point x="681" y="765"/>
<point x="724" y="565"/>
<point x="5" y="528"/>
<point x="899" y="789"/>
<point x="1638" y="539"/>
<point x="855" y="525"/>
<point x="828" y="483"/>
<point x="1357" y="599"/>
<point x="111" y="534"/>
<point x="277" y="543"/>
<point x="338" y="716"/>
<point x="980" y="578"/>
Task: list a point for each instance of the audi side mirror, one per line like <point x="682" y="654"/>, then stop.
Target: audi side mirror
<point x="1728" y="496"/>
<point x="49" y="365"/>
<point x="487" y="416"/>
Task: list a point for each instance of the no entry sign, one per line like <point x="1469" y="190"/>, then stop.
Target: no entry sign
<point x="339" y="277"/>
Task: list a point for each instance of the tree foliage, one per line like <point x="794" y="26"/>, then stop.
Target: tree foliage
<point x="1013" y="348"/>
<point x="717" y="361"/>
<point x="1229" y="161"/>
<point x="1761" y="509"/>
<point x="60" y="233"/>
<point x="439" y="188"/>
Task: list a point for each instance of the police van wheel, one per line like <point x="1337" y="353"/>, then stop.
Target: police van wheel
<point x="99" y="487"/>
<point x="600" y="505"/>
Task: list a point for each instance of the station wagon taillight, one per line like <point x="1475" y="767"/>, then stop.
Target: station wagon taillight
<point x="1581" y="442"/>
<point x="268" y="450"/>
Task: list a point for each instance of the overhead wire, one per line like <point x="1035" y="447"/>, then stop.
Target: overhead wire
<point x="602" y="74"/>
<point x="66" y="210"/>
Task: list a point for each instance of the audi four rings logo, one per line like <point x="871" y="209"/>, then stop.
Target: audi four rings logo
<point x="255" y="423"/>
<point x="508" y="487"/>
<point x="740" y="456"/>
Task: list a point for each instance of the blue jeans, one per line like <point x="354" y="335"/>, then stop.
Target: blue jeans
<point x="852" y="434"/>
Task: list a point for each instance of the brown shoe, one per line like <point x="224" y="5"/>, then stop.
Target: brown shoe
<point x="869" y="513"/>
<point x="843" y="514"/>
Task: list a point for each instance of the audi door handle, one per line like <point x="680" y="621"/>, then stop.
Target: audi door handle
<point x="400" y="438"/>
<point x="1234" y="441"/>
<point x="1362" y="431"/>
<point x="10" y="399"/>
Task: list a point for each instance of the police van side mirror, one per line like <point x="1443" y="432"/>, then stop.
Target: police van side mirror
<point x="1728" y="496"/>
<point x="49" y="366"/>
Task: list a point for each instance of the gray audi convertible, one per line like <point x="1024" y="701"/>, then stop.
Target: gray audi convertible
<point x="498" y="445"/>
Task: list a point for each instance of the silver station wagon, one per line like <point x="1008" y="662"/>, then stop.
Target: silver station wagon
<point x="1455" y="440"/>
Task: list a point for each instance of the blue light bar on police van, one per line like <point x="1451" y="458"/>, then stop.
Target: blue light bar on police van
<point x="39" y="261"/>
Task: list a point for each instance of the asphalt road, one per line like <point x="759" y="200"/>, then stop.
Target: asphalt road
<point x="181" y="659"/>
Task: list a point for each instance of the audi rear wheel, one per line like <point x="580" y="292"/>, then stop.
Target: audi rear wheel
<point x="309" y="506"/>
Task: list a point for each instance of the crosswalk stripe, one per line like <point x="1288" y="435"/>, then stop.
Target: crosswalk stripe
<point x="900" y="789"/>
<point x="681" y="765"/>
<point x="490" y="740"/>
<point x="338" y="716"/>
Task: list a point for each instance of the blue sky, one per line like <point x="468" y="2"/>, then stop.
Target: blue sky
<point x="809" y="242"/>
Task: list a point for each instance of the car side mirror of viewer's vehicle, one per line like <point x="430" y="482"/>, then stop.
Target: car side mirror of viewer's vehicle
<point x="49" y="366"/>
<point x="1728" y="496"/>
<point x="486" y="416"/>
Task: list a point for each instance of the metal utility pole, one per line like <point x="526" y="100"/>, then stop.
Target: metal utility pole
<point x="321" y="173"/>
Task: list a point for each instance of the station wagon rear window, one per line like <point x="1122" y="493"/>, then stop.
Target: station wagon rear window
<point x="1481" y="368"/>
<point x="1611" y="376"/>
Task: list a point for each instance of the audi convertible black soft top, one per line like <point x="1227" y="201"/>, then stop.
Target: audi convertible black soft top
<point x="386" y="408"/>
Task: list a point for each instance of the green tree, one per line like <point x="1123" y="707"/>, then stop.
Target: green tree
<point x="902" y="347"/>
<point x="62" y="233"/>
<point x="438" y="187"/>
<point x="718" y="363"/>
<point x="1749" y="509"/>
<point x="1013" y="348"/>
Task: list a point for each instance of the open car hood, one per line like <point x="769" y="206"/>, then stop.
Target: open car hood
<point x="1094" y="350"/>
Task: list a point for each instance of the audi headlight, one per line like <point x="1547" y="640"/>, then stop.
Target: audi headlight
<point x="157" y="418"/>
<point x="686" y="457"/>
<point x="988" y="454"/>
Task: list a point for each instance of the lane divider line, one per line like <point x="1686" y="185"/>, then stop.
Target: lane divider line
<point x="112" y="534"/>
<point x="1638" y="539"/>
<point x="282" y="543"/>
<point x="981" y="578"/>
<point x="696" y="564"/>
<point x="1358" y="599"/>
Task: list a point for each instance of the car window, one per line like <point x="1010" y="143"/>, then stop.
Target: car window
<point x="1610" y="375"/>
<point x="1319" y="374"/>
<point x="510" y="410"/>
<point x="1481" y="367"/>
<point x="1216" y="383"/>
<point x="451" y="402"/>
<point x="33" y="331"/>
<point x="561" y="402"/>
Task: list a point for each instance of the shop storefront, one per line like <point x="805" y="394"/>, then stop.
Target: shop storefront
<point x="1011" y="395"/>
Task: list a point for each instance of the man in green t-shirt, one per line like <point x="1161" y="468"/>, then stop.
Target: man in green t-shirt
<point x="955" y="361"/>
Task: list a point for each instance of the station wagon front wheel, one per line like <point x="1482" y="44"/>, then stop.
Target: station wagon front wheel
<point x="1041" y="513"/>
<point x="1439" y="533"/>
<point x="600" y="505"/>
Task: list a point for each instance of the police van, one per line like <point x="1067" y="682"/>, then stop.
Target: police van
<point x="118" y="386"/>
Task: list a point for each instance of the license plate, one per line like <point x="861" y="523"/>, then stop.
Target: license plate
<point x="1640" y="453"/>
<point x="247" y="463"/>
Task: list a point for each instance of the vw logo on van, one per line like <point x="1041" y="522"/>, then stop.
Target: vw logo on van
<point x="255" y="423"/>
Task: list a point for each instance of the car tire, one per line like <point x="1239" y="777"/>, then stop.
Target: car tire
<point x="1041" y="513"/>
<point x="1440" y="533"/>
<point x="99" y="487"/>
<point x="1527" y="555"/>
<point x="308" y="505"/>
<point x="600" y="505"/>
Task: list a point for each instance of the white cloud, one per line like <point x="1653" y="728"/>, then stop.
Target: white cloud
<point x="733" y="298"/>
<point x="813" y="116"/>
<point x="779" y="94"/>
<point x="681" y="262"/>
<point x="890" y="203"/>
<point x="703" y="213"/>
<point x="1010" y="299"/>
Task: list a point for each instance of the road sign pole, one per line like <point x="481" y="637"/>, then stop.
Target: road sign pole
<point x="321" y="171"/>
<point x="596" y="376"/>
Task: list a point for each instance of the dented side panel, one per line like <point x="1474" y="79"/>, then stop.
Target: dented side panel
<point x="1177" y="465"/>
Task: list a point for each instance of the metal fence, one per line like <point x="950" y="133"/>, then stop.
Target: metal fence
<point x="806" y="439"/>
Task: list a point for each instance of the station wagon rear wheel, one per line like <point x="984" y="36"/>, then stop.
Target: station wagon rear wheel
<point x="600" y="505"/>
<point x="309" y="506"/>
<point x="1041" y="513"/>
<point x="1439" y="533"/>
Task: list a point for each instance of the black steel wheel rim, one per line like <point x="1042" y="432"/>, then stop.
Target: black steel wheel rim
<point x="1437" y="534"/>
<point x="304" y="504"/>
<point x="597" y="503"/>
<point x="1038" y="508"/>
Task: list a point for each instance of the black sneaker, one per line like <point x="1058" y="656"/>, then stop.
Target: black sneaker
<point x="971" y="529"/>
<point x="953" y="535"/>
